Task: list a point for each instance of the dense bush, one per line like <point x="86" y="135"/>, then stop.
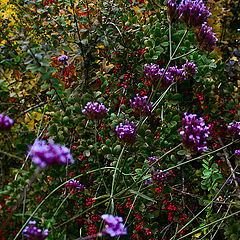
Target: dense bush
<point x="118" y="119"/>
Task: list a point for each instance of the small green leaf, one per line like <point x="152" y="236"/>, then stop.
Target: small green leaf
<point x="182" y="152"/>
<point x="134" y="20"/>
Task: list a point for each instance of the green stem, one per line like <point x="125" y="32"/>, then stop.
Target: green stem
<point x="130" y="210"/>
<point x="180" y="42"/>
<point x="170" y="40"/>
<point x="114" y="176"/>
<point x="62" y="202"/>
<point x="185" y="54"/>
<point x="41" y="121"/>
<point x="98" y="157"/>
<point x="23" y="211"/>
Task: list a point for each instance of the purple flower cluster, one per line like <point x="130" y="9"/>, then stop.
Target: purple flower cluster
<point x="194" y="13"/>
<point x="140" y="107"/>
<point x="176" y="74"/>
<point x="194" y="133"/>
<point x="75" y="184"/>
<point x="127" y="132"/>
<point x="173" y="11"/>
<point x="153" y="73"/>
<point x="152" y="160"/>
<point x="114" y="226"/>
<point x="206" y="38"/>
<point x="237" y="153"/>
<point x="95" y="111"/>
<point x="33" y="233"/>
<point x="234" y="129"/>
<point x="44" y="154"/>
<point x="64" y="60"/>
<point x="159" y="176"/>
<point x="190" y="69"/>
<point x="5" y="122"/>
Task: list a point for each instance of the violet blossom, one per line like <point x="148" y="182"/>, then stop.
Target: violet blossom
<point x="159" y="176"/>
<point x="190" y="69"/>
<point x="237" y="153"/>
<point x="194" y="133"/>
<point x="64" y="60"/>
<point x="176" y="74"/>
<point x="206" y="38"/>
<point x="127" y="132"/>
<point x="194" y="13"/>
<point x="153" y="73"/>
<point x="95" y="111"/>
<point x="173" y="11"/>
<point x="33" y="233"/>
<point x="43" y="153"/>
<point x="140" y="107"/>
<point x="234" y="129"/>
<point x="5" y="122"/>
<point x="114" y="226"/>
<point x="75" y="184"/>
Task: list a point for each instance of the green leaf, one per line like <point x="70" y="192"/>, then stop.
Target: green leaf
<point x="134" y="20"/>
<point x="165" y="44"/>
<point x="142" y="195"/>
<point x="45" y="76"/>
<point x="182" y="152"/>
<point x="83" y="19"/>
<point x="124" y="17"/>
<point x="45" y="85"/>
<point x="205" y="166"/>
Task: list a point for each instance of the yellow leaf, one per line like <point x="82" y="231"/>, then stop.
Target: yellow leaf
<point x="197" y="235"/>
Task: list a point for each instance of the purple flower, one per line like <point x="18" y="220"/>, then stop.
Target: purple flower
<point x="173" y="11"/>
<point x="153" y="73"/>
<point x="190" y="69"/>
<point x="95" y="111"/>
<point x="237" y="153"/>
<point x="234" y="129"/>
<point x="33" y="233"/>
<point x="152" y="160"/>
<point x="5" y="122"/>
<point x="159" y="176"/>
<point x="75" y="184"/>
<point x="194" y="13"/>
<point x="206" y="38"/>
<point x="176" y="74"/>
<point x="44" y="154"/>
<point x="127" y="132"/>
<point x="194" y="133"/>
<point x="148" y="181"/>
<point x="64" y="60"/>
<point x="114" y="226"/>
<point x="140" y="107"/>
